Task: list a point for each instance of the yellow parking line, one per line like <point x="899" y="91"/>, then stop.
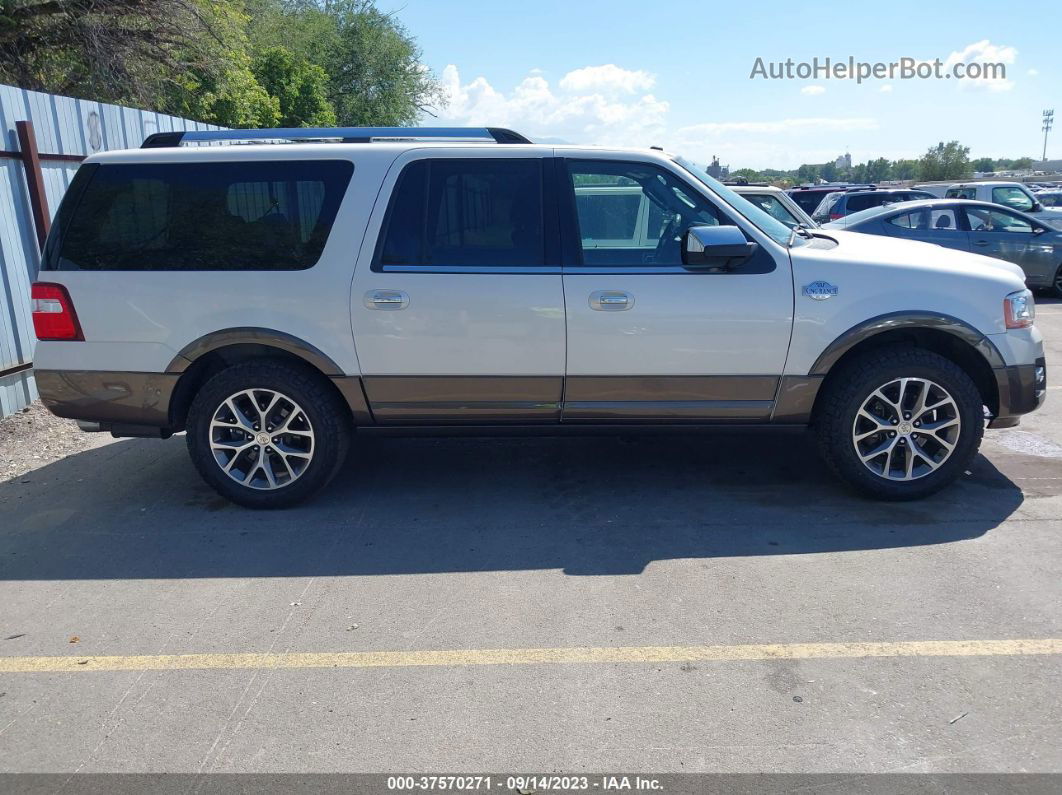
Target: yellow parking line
<point x="586" y="654"/>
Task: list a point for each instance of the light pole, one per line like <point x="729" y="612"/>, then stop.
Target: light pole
<point x="1049" y="119"/>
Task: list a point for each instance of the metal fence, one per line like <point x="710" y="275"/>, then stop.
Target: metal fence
<point x="64" y="131"/>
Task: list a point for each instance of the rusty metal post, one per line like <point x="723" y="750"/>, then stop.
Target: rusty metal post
<point x="31" y="159"/>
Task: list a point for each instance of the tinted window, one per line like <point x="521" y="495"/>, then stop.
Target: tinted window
<point x="263" y="215"/>
<point x="808" y="200"/>
<point x="1050" y="199"/>
<point x="961" y="193"/>
<point x="466" y="213"/>
<point x="864" y="201"/>
<point x="1012" y="197"/>
<point x="649" y="206"/>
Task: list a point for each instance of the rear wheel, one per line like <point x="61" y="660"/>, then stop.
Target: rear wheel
<point x="267" y="434"/>
<point x="900" y="423"/>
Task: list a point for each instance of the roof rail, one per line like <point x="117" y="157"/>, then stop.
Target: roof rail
<point x="346" y="135"/>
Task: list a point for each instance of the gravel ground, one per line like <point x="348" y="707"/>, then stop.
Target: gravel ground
<point x="34" y="437"/>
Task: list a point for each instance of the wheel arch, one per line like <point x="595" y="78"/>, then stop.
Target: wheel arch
<point x="208" y="355"/>
<point x="943" y="334"/>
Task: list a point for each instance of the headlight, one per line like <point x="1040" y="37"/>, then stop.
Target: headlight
<point x="1019" y="310"/>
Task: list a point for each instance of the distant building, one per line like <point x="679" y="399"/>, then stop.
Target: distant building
<point x="1048" y="166"/>
<point x="844" y="162"/>
<point x="716" y="170"/>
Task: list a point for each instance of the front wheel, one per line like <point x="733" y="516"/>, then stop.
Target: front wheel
<point x="1055" y="290"/>
<point x="268" y="434"/>
<point x="899" y="423"/>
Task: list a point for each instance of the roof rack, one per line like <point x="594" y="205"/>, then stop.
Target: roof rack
<point x="346" y="135"/>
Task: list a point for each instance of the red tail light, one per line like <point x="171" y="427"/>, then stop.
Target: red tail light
<point x="836" y="216"/>
<point x="54" y="317"/>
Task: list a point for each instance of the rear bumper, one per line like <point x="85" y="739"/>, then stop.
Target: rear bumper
<point x="1022" y="388"/>
<point x="126" y="403"/>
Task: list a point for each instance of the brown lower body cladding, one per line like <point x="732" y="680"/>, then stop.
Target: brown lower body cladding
<point x="143" y="399"/>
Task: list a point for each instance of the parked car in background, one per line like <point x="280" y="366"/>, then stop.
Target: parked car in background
<point x="937" y="189"/>
<point x="835" y="206"/>
<point x="775" y="202"/>
<point x="809" y="196"/>
<point x="1012" y="195"/>
<point x="1050" y="198"/>
<point x="979" y="227"/>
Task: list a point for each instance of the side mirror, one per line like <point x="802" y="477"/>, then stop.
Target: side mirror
<point x="1037" y="208"/>
<point x="1038" y="230"/>
<point x="715" y="247"/>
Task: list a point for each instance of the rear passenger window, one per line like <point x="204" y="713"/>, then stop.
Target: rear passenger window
<point x="263" y="215"/>
<point x="864" y="201"/>
<point x="470" y="213"/>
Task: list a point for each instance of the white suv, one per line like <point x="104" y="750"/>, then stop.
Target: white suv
<point x="272" y="299"/>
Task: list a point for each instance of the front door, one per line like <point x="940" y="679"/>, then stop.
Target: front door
<point x="1007" y="235"/>
<point x="648" y="339"/>
<point x="458" y="315"/>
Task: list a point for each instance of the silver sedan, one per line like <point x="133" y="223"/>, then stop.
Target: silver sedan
<point x="979" y="227"/>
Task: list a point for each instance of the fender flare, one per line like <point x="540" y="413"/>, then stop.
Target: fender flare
<point x="253" y="336"/>
<point x="907" y="320"/>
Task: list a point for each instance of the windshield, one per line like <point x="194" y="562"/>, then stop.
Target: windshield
<point x="772" y="227"/>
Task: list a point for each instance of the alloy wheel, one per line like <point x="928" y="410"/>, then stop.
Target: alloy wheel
<point x="262" y="439"/>
<point x="906" y="429"/>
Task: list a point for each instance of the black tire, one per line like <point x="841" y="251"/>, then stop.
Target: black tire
<point x="324" y="415"/>
<point x="1055" y="290"/>
<point x="845" y="394"/>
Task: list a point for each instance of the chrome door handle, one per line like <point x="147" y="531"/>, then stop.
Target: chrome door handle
<point x="611" y="300"/>
<point x="386" y="299"/>
<point x="981" y="243"/>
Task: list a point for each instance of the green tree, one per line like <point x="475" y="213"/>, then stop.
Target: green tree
<point x="878" y="170"/>
<point x="375" y="76"/>
<point x="945" y="161"/>
<point x="807" y="173"/>
<point x="1022" y="163"/>
<point x="983" y="164"/>
<point x="748" y="174"/>
<point x="300" y="88"/>
<point x="904" y="169"/>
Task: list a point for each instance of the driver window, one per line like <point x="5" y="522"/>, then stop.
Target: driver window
<point x="634" y="213"/>
<point x="982" y="220"/>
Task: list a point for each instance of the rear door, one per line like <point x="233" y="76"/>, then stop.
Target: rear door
<point x="458" y="310"/>
<point x="649" y="340"/>
<point x="940" y="225"/>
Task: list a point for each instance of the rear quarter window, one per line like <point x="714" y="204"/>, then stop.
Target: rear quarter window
<point x="863" y="201"/>
<point x="255" y="215"/>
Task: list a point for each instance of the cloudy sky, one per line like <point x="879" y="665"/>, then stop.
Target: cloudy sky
<point x="635" y="74"/>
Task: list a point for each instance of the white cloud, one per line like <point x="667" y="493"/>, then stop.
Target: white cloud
<point x="813" y="91"/>
<point x="608" y="79"/>
<point x="984" y="52"/>
<point x="1033" y="72"/>
<point x="800" y="125"/>
<point x="614" y="107"/>
<point x="886" y="89"/>
<point x="586" y="106"/>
